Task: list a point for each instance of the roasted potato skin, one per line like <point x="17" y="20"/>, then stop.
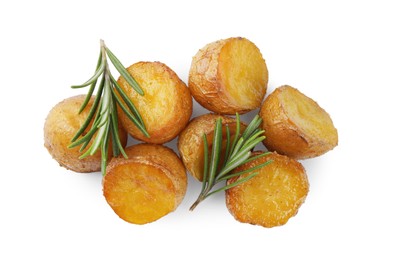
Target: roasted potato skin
<point x="312" y="135"/>
<point x="190" y="141"/>
<point x="273" y="196"/>
<point x="61" y="124"/>
<point x="209" y="78"/>
<point x="163" y="169"/>
<point x="166" y="105"/>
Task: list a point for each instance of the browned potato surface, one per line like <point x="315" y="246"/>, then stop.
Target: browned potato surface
<point x="229" y="76"/>
<point x="273" y="196"/>
<point x="296" y="125"/>
<point x="165" y="107"/>
<point x="62" y="123"/>
<point x="191" y="145"/>
<point x="147" y="186"/>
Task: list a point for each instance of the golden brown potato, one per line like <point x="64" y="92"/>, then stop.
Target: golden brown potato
<point x="165" y="107"/>
<point x="296" y="125"/>
<point x="147" y="186"/>
<point x="62" y="123"/>
<point x="191" y="145"/>
<point x="229" y="76"/>
<point x="273" y="196"/>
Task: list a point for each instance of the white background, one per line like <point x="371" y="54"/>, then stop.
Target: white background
<point x="343" y="54"/>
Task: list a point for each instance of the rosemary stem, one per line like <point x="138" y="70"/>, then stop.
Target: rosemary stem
<point x="204" y="194"/>
<point x="198" y="201"/>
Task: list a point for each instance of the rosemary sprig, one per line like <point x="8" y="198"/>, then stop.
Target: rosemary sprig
<point x="103" y="113"/>
<point x="237" y="152"/>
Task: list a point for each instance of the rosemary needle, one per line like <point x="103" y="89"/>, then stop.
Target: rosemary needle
<point x="237" y="152"/>
<point x="103" y="113"/>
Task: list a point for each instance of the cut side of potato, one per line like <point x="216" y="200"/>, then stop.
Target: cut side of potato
<point x="139" y="192"/>
<point x="165" y="158"/>
<point x="166" y="105"/>
<point x="273" y="196"/>
<point x="229" y="76"/>
<point x="296" y="125"/>
<point x="191" y="144"/>
<point x="148" y="185"/>
<point x="242" y="70"/>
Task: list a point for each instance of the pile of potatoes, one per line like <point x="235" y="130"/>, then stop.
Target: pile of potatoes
<point x="226" y="77"/>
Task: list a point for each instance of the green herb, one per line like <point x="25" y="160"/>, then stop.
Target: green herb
<point x="103" y="113"/>
<point x="237" y="152"/>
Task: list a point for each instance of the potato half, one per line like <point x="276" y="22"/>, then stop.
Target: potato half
<point x="61" y="124"/>
<point x="229" y="76"/>
<point x="273" y="196"/>
<point x="166" y="105"/>
<point x="147" y="186"/>
<point x="296" y="125"/>
<point x="191" y="144"/>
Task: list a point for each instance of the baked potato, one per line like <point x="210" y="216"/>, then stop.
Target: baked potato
<point x="191" y="144"/>
<point x="147" y="186"/>
<point x="61" y="124"/>
<point x="296" y="125"/>
<point x="165" y="107"/>
<point x="273" y="196"/>
<point x="229" y="76"/>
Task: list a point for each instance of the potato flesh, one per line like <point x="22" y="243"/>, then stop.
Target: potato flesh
<point x="273" y="196"/>
<point x="296" y="125"/>
<point x="142" y="197"/>
<point x="308" y="116"/>
<point x="166" y="105"/>
<point x="165" y="158"/>
<point x="243" y="73"/>
<point x="159" y="92"/>
<point x="147" y="186"/>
